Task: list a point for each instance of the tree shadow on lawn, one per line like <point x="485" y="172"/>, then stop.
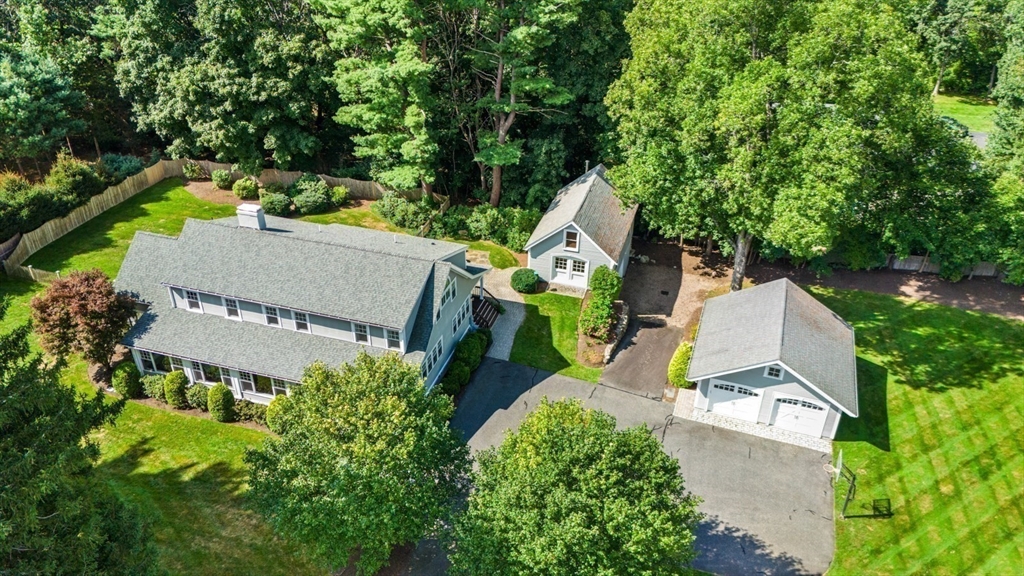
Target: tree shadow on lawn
<point x="872" y="425"/>
<point x="198" y="515"/>
<point x="929" y="346"/>
<point x="534" y="343"/>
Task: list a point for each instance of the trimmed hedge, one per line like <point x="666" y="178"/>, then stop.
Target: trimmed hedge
<point x="276" y="204"/>
<point x="221" y="403"/>
<point x="153" y="387"/>
<point x="597" y="317"/>
<point x="277" y="418"/>
<point x="487" y="336"/>
<point x="127" y="380"/>
<point x="196" y="395"/>
<point x="469" y="351"/>
<point x="312" y="202"/>
<point x="456" y="378"/>
<point x="524" y="281"/>
<point x="606" y="282"/>
<point x="175" y="385"/>
<point x="221" y="179"/>
<point x="679" y="364"/>
<point x="246" y="189"/>
<point x="468" y="354"/>
<point x="246" y="411"/>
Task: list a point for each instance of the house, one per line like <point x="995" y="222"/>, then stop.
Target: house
<point x="251" y="301"/>
<point x="585" y="226"/>
<point x="775" y="356"/>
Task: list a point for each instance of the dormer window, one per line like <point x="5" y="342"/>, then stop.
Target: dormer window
<point x="270" y="313"/>
<point x="301" y="322"/>
<point x="773" y="372"/>
<point x="394" y="341"/>
<point x="571" y="242"/>
<point x="231" y="308"/>
<point x="192" y="298"/>
<point x="361" y="333"/>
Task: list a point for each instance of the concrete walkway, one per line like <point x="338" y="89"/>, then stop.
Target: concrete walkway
<point x="505" y="327"/>
<point x="768" y="506"/>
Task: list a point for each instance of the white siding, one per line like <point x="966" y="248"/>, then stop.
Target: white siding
<point x="543" y="252"/>
<point x="443" y="328"/>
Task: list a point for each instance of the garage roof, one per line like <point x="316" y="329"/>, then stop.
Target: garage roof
<point x="778" y="322"/>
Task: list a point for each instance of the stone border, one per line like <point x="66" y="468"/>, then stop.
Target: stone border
<point x="620" y="331"/>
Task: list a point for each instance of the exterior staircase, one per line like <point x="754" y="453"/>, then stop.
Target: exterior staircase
<point x="485" y="313"/>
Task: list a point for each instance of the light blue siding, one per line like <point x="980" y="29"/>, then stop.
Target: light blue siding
<point x="543" y="253"/>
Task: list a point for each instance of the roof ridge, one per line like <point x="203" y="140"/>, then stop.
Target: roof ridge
<point x="785" y="310"/>
<point x="325" y="243"/>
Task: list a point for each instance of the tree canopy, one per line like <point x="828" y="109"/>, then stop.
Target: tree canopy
<point x="569" y="494"/>
<point x="366" y="462"/>
<point x="55" y="517"/>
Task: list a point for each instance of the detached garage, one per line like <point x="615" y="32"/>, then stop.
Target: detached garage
<point x="772" y="355"/>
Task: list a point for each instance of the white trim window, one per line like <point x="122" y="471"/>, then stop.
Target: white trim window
<point x="362" y="333"/>
<point x="561" y="264"/>
<point x="447" y="296"/>
<point x="432" y="359"/>
<point x="571" y="240"/>
<point x="394" y="338"/>
<point x="148" y="363"/>
<point x="247" y="382"/>
<point x="270" y="315"/>
<point x="231" y="309"/>
<point x="192" y="301"/>
<point x="774" y="372"/>
<point x="460" y="317"/>
<point x="301" y="321"/>
<point x="579" y="266"/>
<point x="177" y="364"/>
<point x="279" y="386"/>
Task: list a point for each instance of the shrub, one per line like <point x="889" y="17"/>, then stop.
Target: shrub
<point x="275" y="188"/>
<point x="246" y="411"/>
<point x="116" y="167"/>
<point x="74" y="179"/>
<point x="196" y="396"/>
<point x="488" y="337"/>
<point x="312" y="202"/>
<point x="452" y="223"/>
<point x="524" y="281"/>
<point x="221" y="179"/>
<point x="469" y="352"/>
<point x="308" y="182"/>
<point x="127" y="380"/>
<point x="175" y="385"/>
<point x="487" y="223"/>
<point x="276" y="204"/>
<point x="456" y="378"/>
<point x="246" y="189"/>
<point x="401" y="212"/>
<point x="277" y="413"/>
<point x="679" y="364"/>
<point x="339" y="196"/>
<point x="482" y="340"/>
<point x="221" y="403"/>
<point x="153" y="387"/>
<point x="596" y="318"/>
<point x="192" y="170"/>
<point x="605" y="282"/>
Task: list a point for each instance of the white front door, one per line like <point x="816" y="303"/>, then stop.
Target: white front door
<point x="799" y="415"/>
<point x="733" y="400"/>
<point x="570" y="271"/>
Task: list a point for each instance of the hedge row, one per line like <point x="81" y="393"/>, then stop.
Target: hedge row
<point x="174" y="389"/>
<point x="25" y="207"/>
<point x="679" y="364"/>
<point x="466" y="358"/>
<point x="597" y="317"/>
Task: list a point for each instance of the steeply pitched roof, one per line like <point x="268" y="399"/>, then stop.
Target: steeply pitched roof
<point x="363" y="275"/>
<point x="778" y="322"/>
<point x="590" y="203"/>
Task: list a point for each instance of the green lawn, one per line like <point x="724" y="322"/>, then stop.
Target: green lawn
<point x="103" y="241"/>
<point x="940" y="434"/>
<point x="360" y="216"/>
<point x="973" y="112"/>
<point x="547" y="338"/>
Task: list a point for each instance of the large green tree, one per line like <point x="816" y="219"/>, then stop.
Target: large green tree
<point x="384" y="80"/>
<point x="55" y="517"/>
<point x="245" y="79"/>
<point x="799" y="123"/>
<point x="367" y="462"/>
<point x="569" y="494"/>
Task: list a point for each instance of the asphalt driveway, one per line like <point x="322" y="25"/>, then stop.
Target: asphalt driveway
<point x="640" y="363"/>
<point x="768" y="505"/>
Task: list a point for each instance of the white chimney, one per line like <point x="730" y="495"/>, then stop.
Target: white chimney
<point x="251" y="216"/>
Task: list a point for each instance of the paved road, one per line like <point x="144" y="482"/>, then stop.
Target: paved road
<point x="640" y="364"/>
<point x="768" y="505"/>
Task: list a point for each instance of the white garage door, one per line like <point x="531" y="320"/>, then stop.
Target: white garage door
<point x="570" y="271"/>
<point x="732" y="400"/>
<point x="798" y="415"/>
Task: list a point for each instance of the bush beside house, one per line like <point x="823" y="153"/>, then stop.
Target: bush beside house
<point x="466" y="358"/>
<point x="597" y="317"/>
<point x="506" y="226"/>
<point x="221" y="403"/>
<point x="196" y="395"/>
<point x="524" y="281"/>
<point x="679" y="364"/>
<point x="246" y="411"/>
<point x="127" y="380"/>
<point x="277" y="414"/>
<point x="175" y="385"/>
<point x="153" y="386"/>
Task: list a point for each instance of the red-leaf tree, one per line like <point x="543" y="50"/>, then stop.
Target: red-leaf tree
<point x="82" y="313"/>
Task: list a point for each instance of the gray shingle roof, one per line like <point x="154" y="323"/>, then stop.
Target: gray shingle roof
<point x="778" y="322"/>
<point x="295" y="269"/>
<point x="590" y="203"/>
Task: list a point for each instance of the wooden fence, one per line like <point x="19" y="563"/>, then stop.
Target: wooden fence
<point x="357" y="188"/>
<point x="928" y="265"/>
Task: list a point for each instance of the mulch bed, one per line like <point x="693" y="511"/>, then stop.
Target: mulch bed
<point x="205" y="190"/>
<point x="590" y="351"/>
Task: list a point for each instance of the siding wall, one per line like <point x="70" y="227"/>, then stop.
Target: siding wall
<point x="624" y="257"/>
<point x="235" y="386"/>
<point x="769" y="387"/>
<point x="443" y="327"/>
<point x="541" y="255"/>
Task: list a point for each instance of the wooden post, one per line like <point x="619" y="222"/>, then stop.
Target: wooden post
<point x="924" y="262"/>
